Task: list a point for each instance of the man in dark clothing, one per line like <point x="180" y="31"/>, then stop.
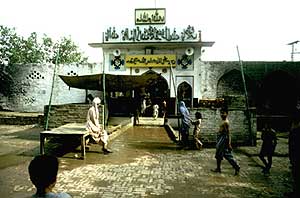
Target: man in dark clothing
<point x="294" y="152"/>
<point x="268" y="146"/>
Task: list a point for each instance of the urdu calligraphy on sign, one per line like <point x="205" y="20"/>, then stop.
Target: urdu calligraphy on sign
<point x="151" y="34"/>
<point x="164" y="60"/>
<point x="150" y="16"/>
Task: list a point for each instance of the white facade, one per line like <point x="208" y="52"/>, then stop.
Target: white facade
<point x="190" y="73"/>
<point x="191" y="76"/>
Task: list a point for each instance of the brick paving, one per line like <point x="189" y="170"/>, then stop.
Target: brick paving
<point x="145" y="163"/>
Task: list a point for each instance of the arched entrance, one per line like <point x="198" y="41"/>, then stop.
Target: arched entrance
<point x="278" y="93"/>
<point x="276" y="99"/>
<point x="184" y="93"/>
<point x="230" y="83"/>
<point x="156" y="91"/>
<point x="231" y="87"/>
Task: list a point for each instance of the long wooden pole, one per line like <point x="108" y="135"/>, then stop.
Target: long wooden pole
<point x="51" y="93"/>
<point x="174" y="86"/>
<point x="104" y="97"/>
<point x="246" y="96"/>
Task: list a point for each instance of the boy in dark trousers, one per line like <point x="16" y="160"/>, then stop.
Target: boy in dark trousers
<point x="223" y="145"/>
<point x="268" y="136"/>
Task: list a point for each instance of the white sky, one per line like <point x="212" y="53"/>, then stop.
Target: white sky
<point x="261" y="28"/>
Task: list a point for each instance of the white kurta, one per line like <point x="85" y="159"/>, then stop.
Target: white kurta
<point x="93" y="126"/>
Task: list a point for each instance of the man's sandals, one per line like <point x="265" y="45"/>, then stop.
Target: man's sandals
<point x="106" y="151"/>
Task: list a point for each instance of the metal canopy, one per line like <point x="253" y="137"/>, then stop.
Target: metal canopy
<point x="112" y="82"/>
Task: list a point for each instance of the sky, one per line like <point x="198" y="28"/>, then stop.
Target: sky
<point x="260" y="28"/>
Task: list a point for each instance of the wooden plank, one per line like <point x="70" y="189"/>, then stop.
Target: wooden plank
<point x="65" y="132"/>
<point x="77" y="129"/>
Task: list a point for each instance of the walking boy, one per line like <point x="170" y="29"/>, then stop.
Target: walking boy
<point x="268" y="136"/>
<point x="197" y="128"/>
<point x="223" y="146"/>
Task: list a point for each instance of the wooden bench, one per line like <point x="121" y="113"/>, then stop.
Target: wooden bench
<point x="71" y="129"/>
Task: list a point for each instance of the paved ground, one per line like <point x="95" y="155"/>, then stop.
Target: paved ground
<point x="145" y="163"/>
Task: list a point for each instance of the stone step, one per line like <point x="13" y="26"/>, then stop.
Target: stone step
<point x="149" y="121"/>
<point x="17" y="118"/>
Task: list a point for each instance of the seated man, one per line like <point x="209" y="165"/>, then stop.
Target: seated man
<point x="43" y="172"/>
<point x="97" y="133"/>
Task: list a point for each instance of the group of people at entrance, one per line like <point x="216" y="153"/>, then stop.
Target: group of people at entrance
<point x="224" y="147"/>
<point x="143" y="107"/>
<point x="223" y="144"/>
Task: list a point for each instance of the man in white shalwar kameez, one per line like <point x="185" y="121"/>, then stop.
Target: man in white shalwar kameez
<point x="97" y="133"/>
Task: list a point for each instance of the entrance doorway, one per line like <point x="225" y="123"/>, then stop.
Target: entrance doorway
<point x="184" y="93"/>
<point x="156" y="92"/>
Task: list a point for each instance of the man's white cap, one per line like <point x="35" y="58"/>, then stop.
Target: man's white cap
<point x="97" y="100"/>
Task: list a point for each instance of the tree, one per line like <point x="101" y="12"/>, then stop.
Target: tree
<point x="18" y="50"/>
<point x="10" y="45"/>
<point x="15" y="49"/>
<point x="68" y="52"/>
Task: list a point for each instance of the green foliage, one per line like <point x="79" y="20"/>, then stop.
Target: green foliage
<point x="68" y="52"/>
<point x="10" y="43"/>
<point x="19" y="50"/>
<point x="15" y="49"/>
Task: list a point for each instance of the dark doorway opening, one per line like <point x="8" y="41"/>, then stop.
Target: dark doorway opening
<point x="157" y="92"/>
<point x="127" y="103"/>
<point x="277" y="98"/>
<point x="184" y="93"/>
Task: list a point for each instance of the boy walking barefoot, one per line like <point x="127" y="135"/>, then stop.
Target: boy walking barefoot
<point x="223" y="146"/>
<point x="197" y="129"/>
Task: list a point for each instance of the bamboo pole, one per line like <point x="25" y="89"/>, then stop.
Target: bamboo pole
<point x="246" y="96"/>
<point x="51" y="93"/>
<point x="176" y="100"/>
<point x="104" y="90"/>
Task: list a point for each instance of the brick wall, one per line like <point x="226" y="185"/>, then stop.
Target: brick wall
<point x="67" y="113"/>
<point x="213" y="71"/>
<point x="32" y="82"/>
<point x="238" y="121"/>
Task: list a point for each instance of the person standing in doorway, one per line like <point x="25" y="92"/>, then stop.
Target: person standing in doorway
<point x="269" y="142"/>
<point x="97" y="133"/>
<point x="223" y="145"/>
<point x="164" y="109"/>
<point x="155" y="111"/>
<point x="143" y="106"/>
<point x="185" y="123"/>
<point x="136" y="109"/>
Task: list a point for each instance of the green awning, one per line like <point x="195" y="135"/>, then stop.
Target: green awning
<point x="112" y="82"/>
